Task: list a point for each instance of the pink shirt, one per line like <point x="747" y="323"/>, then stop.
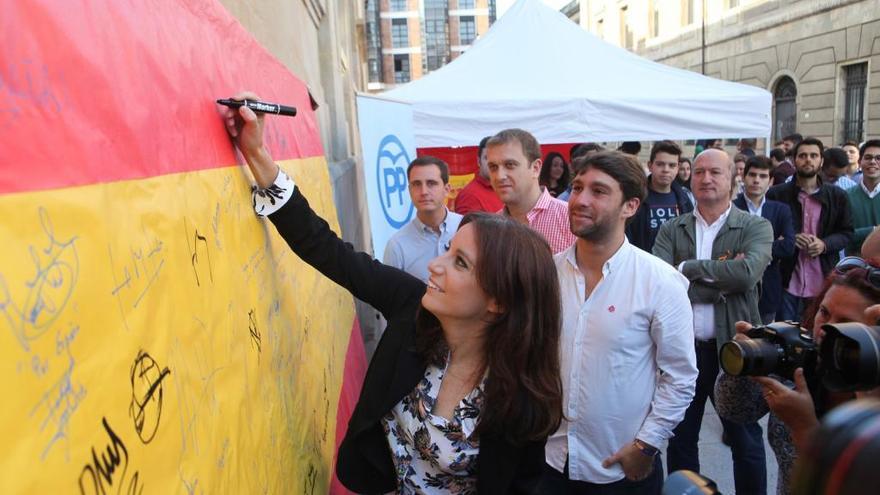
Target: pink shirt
<point x="807" y="278"/>
<point x="550" y="218"/>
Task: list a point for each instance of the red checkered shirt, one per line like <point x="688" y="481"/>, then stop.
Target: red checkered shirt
<point x="550" y="218"/>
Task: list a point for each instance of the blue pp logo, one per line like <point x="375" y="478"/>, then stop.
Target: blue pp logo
<point x="391" y="166"/>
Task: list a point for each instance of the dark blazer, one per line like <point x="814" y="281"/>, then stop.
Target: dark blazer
<point x="638" y="233"/>
<point x="835" y="223"/>
<point x="779" y="215"/>
<point x="364" y="462"/>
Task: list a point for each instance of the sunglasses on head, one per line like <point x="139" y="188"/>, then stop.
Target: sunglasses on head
<point x="872" y="273"/>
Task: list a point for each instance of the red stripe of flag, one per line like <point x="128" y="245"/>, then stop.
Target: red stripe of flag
<point x="107" y="91"/>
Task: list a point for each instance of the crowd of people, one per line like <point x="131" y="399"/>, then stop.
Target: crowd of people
<point x="562" y="328"/>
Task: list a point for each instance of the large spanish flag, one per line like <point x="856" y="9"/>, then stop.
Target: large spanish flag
<point x="155" y="335"/>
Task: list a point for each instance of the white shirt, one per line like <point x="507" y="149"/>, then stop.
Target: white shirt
<point x="755" y="210"/>
<point x="415" y="245"/>
<point x="871" y="193"/>
<point x="636" y="322"/>
<point x="704" y="314"/>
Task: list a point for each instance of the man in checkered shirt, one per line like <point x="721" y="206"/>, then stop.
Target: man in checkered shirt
<point x="514" y="158"/>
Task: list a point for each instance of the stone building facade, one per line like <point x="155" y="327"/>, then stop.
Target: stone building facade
<point x="819" y="58"/>
<point x="321" y="42"/>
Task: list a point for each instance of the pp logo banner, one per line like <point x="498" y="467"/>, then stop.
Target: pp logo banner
<point x="391" y="163"/>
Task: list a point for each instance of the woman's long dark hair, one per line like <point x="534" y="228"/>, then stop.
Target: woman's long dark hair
<point x="544" y="177"/>
<point x="523" y="393"/>
<point x="685" y="183"/>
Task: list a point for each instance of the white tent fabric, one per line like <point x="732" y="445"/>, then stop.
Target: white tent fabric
<point x="537" y="70"/>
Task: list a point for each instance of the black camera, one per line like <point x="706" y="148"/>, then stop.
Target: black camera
<point x="850" y="356"/>
<point x="847" y="360"/>
<point x="778" y="348"/>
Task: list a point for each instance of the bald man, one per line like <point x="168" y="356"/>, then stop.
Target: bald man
<point x="723" y="252"/>
<point x="871" y="246"/>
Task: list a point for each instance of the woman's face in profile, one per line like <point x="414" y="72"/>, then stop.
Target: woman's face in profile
<point x="453" y="291"/>
<point x="841" y="304"/>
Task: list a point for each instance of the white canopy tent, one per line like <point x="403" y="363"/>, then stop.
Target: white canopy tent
<point x="536" y="69"/>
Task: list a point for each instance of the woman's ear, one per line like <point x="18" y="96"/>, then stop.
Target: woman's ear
<point x="495" y="308"/>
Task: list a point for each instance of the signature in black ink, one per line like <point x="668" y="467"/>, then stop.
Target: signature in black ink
<point x="146" y="395"/>
<point x="311" y="480"/>
<point x="194" y="252"/>
<point x="57" y="269"/>
<point x="256" y="340"/>
<point x="57" y="405"/>
<point x="103" y="470"/>
<point x="140" y="269"/>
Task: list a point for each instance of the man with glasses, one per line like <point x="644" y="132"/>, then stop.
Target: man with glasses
<point x="865" y="198"/>
<point x="822" y="226"/>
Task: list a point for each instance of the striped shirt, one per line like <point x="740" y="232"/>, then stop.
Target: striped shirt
<point x="549" y="217"/>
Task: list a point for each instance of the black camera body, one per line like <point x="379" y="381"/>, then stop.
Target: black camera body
<point x="848" y="359"/>
<point x="778" y="349"/>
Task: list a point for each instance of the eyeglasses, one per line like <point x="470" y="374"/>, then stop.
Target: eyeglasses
<point x="872" y="273"/>
<point x="871" y="158"/>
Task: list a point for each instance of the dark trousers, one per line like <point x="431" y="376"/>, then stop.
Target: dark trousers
<point x="793" y="307"/>
<point x="746" y="440"/>
<point x="554" y="482"/>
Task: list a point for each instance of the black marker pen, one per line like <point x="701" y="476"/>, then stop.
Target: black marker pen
<point x="260" y="106"/>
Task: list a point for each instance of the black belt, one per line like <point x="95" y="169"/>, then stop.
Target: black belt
<point x="713" y="343"/>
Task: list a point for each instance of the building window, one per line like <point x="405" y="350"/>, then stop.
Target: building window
<point x="655" y="18"/>
<point x="436" y="38"/>
<point x="465" y="4"/>
<point x="398" y="5"/>
<point x="467" y="29"/>
<point x="401" y="69"/>
<point x="626" y="34"/>
<point x="374" y="42"/>
<point x="687" y="12"/>
<point x="732" y="4"/>
<point x="855" y="79"/>
<point x="784" y="108"/>
<point x="399" y="33"/>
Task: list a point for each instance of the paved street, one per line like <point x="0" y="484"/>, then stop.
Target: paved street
<point x="715" y="460"/>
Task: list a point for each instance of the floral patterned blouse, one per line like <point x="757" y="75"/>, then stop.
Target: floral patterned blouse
<point x="433" y="454"/>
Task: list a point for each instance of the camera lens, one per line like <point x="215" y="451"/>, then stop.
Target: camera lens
<point x="753" y="357"/>
<point x="846" y="359"/>
<point x="851" y="354"/>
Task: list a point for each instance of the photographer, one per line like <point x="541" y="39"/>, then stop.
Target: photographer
<point x="851" y="293"/>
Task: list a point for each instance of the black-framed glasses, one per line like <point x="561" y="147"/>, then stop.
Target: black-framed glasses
<point x="872" y="273"/>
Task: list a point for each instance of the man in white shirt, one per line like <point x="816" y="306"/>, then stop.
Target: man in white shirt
<point x="723" y="251"/>
<point x="627" y="357"/>
<point x="425" y="237"/>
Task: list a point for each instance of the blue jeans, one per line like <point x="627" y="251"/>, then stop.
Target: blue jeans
<point x="746" y="440"/>
<point x="793" y="307"/>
